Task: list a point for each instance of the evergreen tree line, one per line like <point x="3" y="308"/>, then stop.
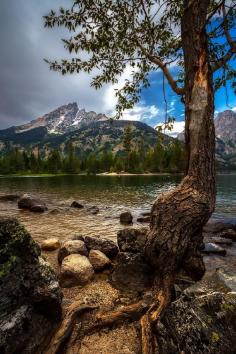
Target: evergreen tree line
<point x="157" y="159"/>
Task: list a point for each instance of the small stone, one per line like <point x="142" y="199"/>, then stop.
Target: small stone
<point x="50" y="244"/>
<point x="75" y="270"/>
<point x="72" y="247"/>
<point x="99" y="260"/>
<point x="126" y="218"/>
<point x="108" y="247"/>
<point x="77" y="205"/>
<point x="213" y="248"/>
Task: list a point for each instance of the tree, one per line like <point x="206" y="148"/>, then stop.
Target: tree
<point x="127" y="145"/>
<point x="149" y="35"/>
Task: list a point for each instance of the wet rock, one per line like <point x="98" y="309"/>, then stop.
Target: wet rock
<point x="99" y="260"/>
<point x="217" y="226"/>
<point x="72" y="247"/>
<point x="34" y="205"/>
<point x="75" y="270"/>
<point x="202" y="320"/>
<point x="77" y="205"/>
<point x="144" y="219"/>
<point x="131" y="239"/>
<point x="228" y="234"/>
<point x="131" y="273"/>
<point x="50" y="244"/>
<point x="55" y="211"/>
<point x="221" y="241"/>
<point x="214" y="249"/>
<point x="30" y="297"/>
<point x="9" y="197"/>
<point x="126" y="218"/>
<point x="93" y="210"/>
<point x="108" y="247"/>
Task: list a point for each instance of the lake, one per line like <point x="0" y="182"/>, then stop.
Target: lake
<point x="112" y="194"/>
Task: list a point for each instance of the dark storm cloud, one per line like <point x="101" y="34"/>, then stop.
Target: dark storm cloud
<point x="28" y="88"/>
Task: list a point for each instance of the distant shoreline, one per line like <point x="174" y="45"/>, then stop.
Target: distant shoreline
<point x="110" y="174"/>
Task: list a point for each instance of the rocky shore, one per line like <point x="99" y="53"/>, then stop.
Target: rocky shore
<point x="104" y="276"/>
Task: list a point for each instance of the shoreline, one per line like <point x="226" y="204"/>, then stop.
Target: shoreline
<point x="110" y="174"/>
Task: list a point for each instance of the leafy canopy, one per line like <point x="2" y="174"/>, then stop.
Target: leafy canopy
<point x="109" y="35"/>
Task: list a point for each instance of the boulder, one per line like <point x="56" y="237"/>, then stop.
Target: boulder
<point x="126" y="218"/>
<point x="144" y="219"/>
<point x="221" y="241"/>
<point x="214" y="249"/>
<point x="75" y="270"/>
<point x="51" y="244"/>
<point x="202" y="320"/>
<point x="146" y="213"/>
<point x="131" y="273"/>
<point x="30" y="296"/>
<point x="108" y="247"/>
<point x="99" y="260"/>
<point x="34" y="205"/>
<point x="77" y="205"/>
<point x="131" y="239"/>
<point x="72" y="247"/>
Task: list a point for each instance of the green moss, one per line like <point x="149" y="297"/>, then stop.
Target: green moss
<point x="215" y="337"/>
<point x="227" y="307"/>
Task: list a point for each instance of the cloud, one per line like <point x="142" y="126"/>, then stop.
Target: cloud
<point x="178" y="127"/>
<point x="28" y="88"/>
<point x="234" y="109"/>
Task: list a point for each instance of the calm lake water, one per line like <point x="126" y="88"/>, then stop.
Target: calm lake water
<point x="112" y="194"/>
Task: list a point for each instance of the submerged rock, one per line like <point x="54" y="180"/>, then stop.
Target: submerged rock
<point x="108" y="247"/>
<point x="126" y="218"/>
<point x="75" y="270"/>
<point x="131" y="239"/>
<point x="77" y="205"/>
<point x="99" y="260"/>
<point x="93" y="210"/>
<point x="72" y="247"/>
<point x="213" y="248"/>
<point x="30" y="297"/>
<point x="50" y="244"/>
<point x="202" y="320"/>
<point x="34" y="205"/>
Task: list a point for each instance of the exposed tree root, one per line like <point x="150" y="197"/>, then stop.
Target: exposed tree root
<point x="147" y="313"/>
<point x="66" y="327"/>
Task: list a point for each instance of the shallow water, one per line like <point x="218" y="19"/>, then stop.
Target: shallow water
<point x="112" y="194"/>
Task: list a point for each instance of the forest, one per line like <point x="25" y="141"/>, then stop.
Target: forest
<point x="158" y="159"/>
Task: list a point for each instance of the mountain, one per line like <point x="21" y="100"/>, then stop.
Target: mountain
<point x="61" y="120"/>
<point x="88" y="131"/>
<point x="225" y="125"/>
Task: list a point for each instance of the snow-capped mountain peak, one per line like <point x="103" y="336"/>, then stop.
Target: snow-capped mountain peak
<point x="63" y="119"/>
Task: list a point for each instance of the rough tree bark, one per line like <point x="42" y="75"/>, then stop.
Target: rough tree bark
<point x="178" y="217"/>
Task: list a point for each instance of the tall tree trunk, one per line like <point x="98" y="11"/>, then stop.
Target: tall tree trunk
<point x="178" y="217"/>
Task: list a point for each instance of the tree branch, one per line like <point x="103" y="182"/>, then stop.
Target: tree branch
<point x="232" y="44"/>
<point x="169" y="77"/>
